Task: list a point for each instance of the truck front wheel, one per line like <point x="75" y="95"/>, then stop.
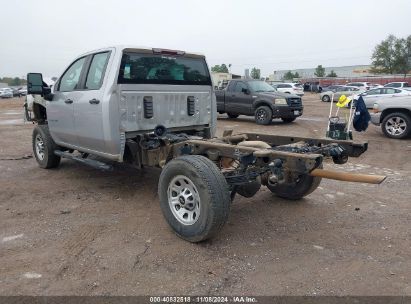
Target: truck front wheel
<point x="194" y="197"/>
<point x="304" y="185"/>
<point x="44" y="147"/>
<point x="263" y="115"/>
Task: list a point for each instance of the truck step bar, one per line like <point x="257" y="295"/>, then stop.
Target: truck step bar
<point x="90" y="162"/>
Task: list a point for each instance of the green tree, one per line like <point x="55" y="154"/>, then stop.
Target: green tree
<point x="319" y="71"/>
<point x="255" y="73"/>
<point x="402" y="55"/>
<point x="288" y="76"/>
<point x="16" y="81"/>
<point x="296" y="75"/>
<point x="384" y="56"/>
<point x="332" y="74"/>
<point x="219" y="68"/>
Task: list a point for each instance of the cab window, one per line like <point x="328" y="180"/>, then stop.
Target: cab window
<point x="70" y="79"/>
<point x="96" y="71"/>
<point x="240" y="86"/>
<point x="138" y="68"/>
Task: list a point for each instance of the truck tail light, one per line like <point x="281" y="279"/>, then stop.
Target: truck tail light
<point x="148" y="107"/>
<point x="168" y="52"/>
<point x="190" y="105"/>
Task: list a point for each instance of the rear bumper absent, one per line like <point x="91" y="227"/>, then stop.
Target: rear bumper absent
<point x="376" y="118"/>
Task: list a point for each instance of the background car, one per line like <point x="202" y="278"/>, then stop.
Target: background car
<point x="289" y="88"/>
<point x="16" y="92"/>
<point x="376" y="86"/>
<point x="399" y="84"/>
<point x="6" y="93"/>
<point x="22" y="91"/>
<point x="332" y="87"/>
<point x="372" y="96"/>
<point x="338" y="92"/>
<point x="394" y="116"/>
<point x="365" y="86"/>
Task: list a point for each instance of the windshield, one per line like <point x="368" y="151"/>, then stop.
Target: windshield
<point x="163" y="69"/>
<point x="260" y="86"/>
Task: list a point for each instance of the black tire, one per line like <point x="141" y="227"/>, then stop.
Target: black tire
<point x="232" y="115"/>
<point x="211" y="188"/>
<point x="44" y="147"/>
<point x="288" y="119"/>
<point x="305" y="185"/>
<point x="263" y="115"/>
<point x="326" y="98"/>
<point x="399" y="131"/>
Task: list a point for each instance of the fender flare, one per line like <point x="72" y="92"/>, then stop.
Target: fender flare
<point x="262" y="102"/>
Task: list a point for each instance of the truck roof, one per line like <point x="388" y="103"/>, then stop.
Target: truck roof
<point x="143" y="49"/>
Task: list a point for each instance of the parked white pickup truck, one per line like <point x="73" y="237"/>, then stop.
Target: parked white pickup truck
<point x="157" y="107"/>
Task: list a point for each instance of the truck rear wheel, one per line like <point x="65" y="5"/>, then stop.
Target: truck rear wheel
<point x="263" y="115"/>
<point x="194" y="197"/>
<point x="44" y="147"/>
<point x="304" y="185"/>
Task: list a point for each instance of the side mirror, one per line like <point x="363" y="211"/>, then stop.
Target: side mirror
<point x="245" y="91"/>
<point x="34" y="83"/>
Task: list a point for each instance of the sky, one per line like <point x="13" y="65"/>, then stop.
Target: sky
<point x="46" y="35"/>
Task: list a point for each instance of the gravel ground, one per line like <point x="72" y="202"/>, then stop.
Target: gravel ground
<point x="78" y="231"/>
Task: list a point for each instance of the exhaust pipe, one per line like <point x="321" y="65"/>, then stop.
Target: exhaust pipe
<point x="349" y="177"/>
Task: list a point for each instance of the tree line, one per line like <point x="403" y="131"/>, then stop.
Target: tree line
<point x="16" y="81"/>
<point x="390" y="56"/>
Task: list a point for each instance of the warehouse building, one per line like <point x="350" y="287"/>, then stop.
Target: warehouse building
<point x="343" y="71"/>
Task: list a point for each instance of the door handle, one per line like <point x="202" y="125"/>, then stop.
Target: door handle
<point x="94" y="101"/>
<point x="68" y="101"/>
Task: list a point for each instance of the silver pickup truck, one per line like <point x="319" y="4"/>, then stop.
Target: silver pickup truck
<point x="156" y="107"/>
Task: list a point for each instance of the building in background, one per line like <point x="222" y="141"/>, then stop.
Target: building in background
<point x="343" y="71"/>
<point x="220" y="80"/>
<point x="3" y="85"/>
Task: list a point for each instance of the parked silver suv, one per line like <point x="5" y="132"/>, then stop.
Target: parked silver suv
<point x="394" y="116"/>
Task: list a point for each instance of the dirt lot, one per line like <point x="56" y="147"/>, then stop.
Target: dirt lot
<point x="79" y="231"/>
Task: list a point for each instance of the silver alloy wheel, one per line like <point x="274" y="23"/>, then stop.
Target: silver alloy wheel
<point x="326" y="98"/>
<point x="261" y="115"/>
<point x="396" y="126"/>
<point x="184" y="200"/>
<point x="39" y="144"/>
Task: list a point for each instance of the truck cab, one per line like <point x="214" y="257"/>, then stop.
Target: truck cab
<point x="107" y="96"/>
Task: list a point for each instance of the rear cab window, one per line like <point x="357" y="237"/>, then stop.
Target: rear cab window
<point x="143" y="68"/>
<point x="96" y="71"/>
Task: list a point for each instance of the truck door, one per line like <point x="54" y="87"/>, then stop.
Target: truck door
<point x="88" y="109"/>
<point x="238" y="101"/>
<point x="60" y="109"/>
